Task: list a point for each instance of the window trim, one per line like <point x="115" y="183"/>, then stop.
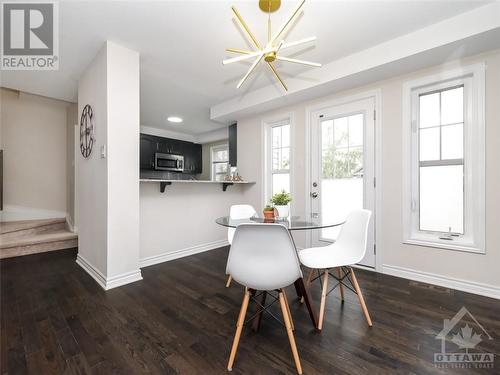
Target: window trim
<point x="473" y="240"/>
<point x="223" y="146"/>
<point x="267" y="171"/>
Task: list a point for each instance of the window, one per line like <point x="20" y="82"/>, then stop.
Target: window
<point x="277" y="163"/>
<point x="444" y="176"/>
<point x="220" y="162"/>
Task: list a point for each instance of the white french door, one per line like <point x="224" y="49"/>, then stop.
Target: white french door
<point x="343" y="168"/>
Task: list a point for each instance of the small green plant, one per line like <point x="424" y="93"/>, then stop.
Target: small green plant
<point x="281" y="199"/>
<point x="269" y="208"/>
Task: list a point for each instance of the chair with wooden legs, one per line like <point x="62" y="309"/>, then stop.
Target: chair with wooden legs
<point x="335" y="261"/>
<point x="236" y="212"/>
<point x="263" y="258"/>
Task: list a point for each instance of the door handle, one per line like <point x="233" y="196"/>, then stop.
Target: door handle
<point x="314" y="195"/>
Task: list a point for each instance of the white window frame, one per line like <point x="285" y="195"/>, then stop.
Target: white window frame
<point x="213" y="149"/>
<point x="473" y="239"/>
<point x="267" y="161"/>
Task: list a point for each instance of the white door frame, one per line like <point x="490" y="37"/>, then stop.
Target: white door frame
<point x="310" y="110"/>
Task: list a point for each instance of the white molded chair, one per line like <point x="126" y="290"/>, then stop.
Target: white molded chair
<point x="348" y="249"/>
<point x="238" y="211"/>
<point x="263" y="257"/>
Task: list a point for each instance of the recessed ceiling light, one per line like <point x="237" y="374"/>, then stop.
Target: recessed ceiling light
<point x="174" y="119"/>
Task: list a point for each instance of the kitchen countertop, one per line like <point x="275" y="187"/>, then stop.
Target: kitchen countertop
<point x="195" y="181"/>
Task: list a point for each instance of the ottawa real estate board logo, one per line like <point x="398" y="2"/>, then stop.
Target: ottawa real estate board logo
<point x="30" y="39"/>
<point x="459" y="337"/>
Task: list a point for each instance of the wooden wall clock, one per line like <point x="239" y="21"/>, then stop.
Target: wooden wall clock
<point x="87" y="128"/>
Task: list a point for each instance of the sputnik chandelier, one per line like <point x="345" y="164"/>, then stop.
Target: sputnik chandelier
<point x="270" y="52"/>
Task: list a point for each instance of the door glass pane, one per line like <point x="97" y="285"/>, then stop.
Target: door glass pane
<point x="452" y="106"/>
<point x="281" y="181"/>
<point x="342" y="170"/>
<point x="452" y="142"/>
<point x="441" y="198"/>
<point x="429" y="144"/>
<point x="327" y="134"/>
<point x="356" y="130"/>
<point x="340" y="132"/>
<point x="429" y="110"/>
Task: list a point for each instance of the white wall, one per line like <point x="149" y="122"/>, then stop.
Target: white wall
<point x="108" y="185"/>
<point x="33" y="137"/>
<point x="181" y="221"/>
<point x="71" y="121"/>
<point x="92" y="173"/>
<point x="467" y="271"/>
<point x="123" y="160"/>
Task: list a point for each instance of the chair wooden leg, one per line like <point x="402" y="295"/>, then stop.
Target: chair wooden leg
<point x="289" y="331"/>
<point x="324" y="291"/>
<point x="288" y="310"/>
<point x="308" y="282"/>
<point x="229" y="279"/>
<point x="361" y="299"/>
<point x="341" y="287"/>
<point x="239" y="328"/>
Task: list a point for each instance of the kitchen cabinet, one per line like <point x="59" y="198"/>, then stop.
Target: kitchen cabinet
<point x="150" y="144"/>
<point x="232" y="145"/>
<point x="147" y="148"/>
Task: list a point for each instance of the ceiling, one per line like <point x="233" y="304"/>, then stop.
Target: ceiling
<point x="182" y="44"/>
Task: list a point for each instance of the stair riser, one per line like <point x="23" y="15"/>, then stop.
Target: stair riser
<point x="23" y="233"/>
<point x="38" y="248"/>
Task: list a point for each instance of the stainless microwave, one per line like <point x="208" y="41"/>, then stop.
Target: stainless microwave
<point x="169" y="162"/>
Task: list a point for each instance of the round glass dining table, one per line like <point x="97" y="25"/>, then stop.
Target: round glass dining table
<point x="292" y="223"/>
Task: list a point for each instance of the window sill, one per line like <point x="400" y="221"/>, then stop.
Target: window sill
<point x="468" y="248"/>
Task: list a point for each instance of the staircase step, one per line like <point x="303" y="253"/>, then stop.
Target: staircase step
<point x="10" y="230"/>
<point x="38" y="243"/>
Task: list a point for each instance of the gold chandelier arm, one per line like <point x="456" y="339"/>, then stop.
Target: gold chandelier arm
<point x="246" y="28"/>
<point x="277" y="75"/>
<point x="237" y="50"/>
<point x="292" y="17"/>
<point x="257" y="60"/>
<point x="281" y="58"/>
<point x="241" y="58"/>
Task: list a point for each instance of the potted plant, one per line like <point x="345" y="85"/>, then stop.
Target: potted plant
<point x="280" y="202"/>
<point x="268" y="212"/>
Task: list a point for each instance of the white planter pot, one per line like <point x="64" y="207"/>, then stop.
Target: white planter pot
<point x="283" y="211"/>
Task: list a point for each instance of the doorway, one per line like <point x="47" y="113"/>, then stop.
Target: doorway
<point x="343" y="168"/>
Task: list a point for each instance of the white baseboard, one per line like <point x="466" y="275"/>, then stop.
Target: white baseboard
<point x="366" y="268"/>
<point x="124" y="278"/>
<point x="92" y="271"/>
<point x="447" y="282"/>
<point x="165" y="257"/>
<point x="110" y="282"/>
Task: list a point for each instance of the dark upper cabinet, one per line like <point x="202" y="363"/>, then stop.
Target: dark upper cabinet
<point x="169" y="146"/>
<point x="150" y="144"/>
<point x="232" y="145"/>
<point x="147" y="151"/>
<point x="187" y="151"/>
<point x="198" y="163"/>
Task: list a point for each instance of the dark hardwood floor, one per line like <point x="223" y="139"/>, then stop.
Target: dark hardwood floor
<point x="181" y="319"/>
